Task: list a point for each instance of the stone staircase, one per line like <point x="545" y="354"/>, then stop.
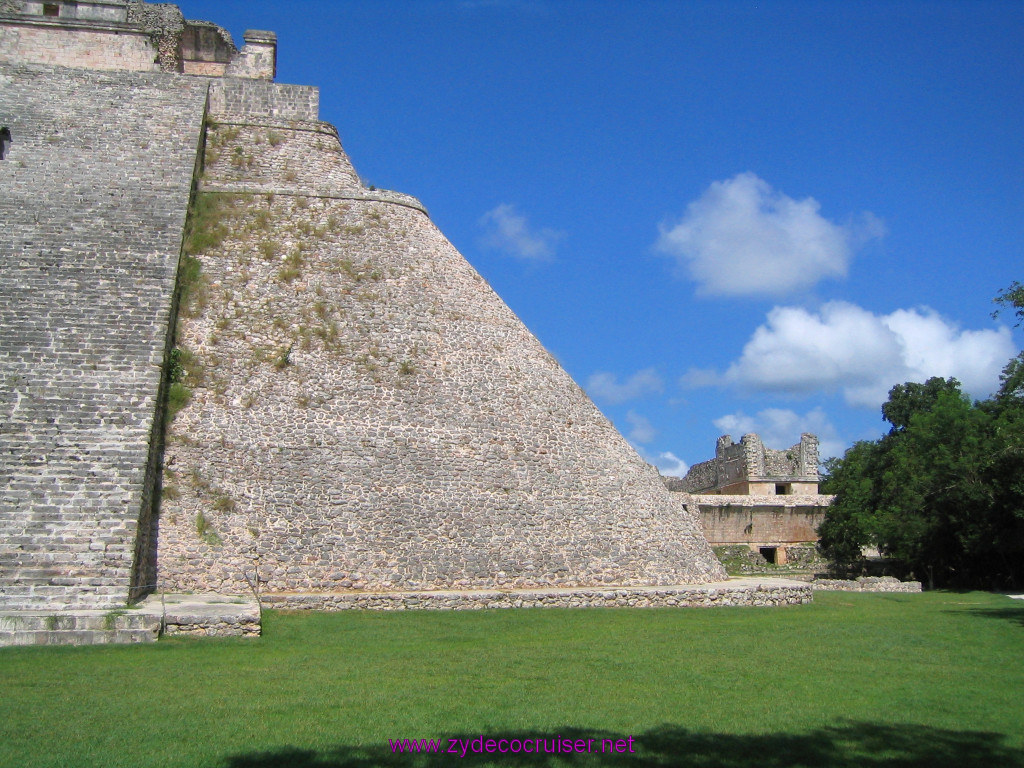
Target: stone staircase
<point x="62" y="564"/>
<point x="93" y="209"/>
<point x="83" y="627"/>
<point x="182" y="615"/>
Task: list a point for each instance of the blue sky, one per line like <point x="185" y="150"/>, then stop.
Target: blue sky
<point x="721" y="217"/>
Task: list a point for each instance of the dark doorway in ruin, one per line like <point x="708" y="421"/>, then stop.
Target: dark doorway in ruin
<point x="5" y="141"/>
<point x="51" y="9"/>
<point x="781" y="489"/>
<point x="769" y="553"/>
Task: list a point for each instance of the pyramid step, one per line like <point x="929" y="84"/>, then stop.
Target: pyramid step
<point x="81" y="627"/>
<point x="76" y="636"/>
<point x="205" y="615"/>
<point x="34" y="621"/>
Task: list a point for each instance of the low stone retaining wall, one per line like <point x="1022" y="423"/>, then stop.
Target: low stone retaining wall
<point x="866" y="584"/>
<point x="736" y="592"/>
<point x="208" y="615"/>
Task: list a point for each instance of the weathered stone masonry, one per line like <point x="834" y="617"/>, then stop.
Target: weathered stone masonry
<point x="749" y="467"/>
<point x="418" y="436"/>
<point x="95" y="190"/>
<point x="365" y="413"/>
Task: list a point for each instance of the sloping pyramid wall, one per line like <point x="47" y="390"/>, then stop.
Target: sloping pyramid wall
<point x="93" y="198"/>
<point x="366" y="413"/>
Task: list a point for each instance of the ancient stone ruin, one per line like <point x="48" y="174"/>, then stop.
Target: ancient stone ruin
<point x="749" y="468"/>
<point x="758" y="497"/>
<point x="352" y="408"/>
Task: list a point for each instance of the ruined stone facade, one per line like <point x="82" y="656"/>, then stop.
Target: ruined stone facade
<point x="762" y="498"/>
<point x="750" y="468"/>
<point x="130" y="36"/>
<point x="360" y="410"/>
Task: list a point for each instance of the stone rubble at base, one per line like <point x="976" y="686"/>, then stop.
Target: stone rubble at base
<point x="735" y="592"/>
<point x="866" y="584"/>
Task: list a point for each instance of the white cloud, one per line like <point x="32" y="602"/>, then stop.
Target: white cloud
<point x="742" y="237"/>
<point x="641" y="429"/>
<point x="667" y="463"/>
<point x="508" y="231"/>
<point x="670" y="465"/>
<point x="605" y="386"/>
<point x="846" y="348"/>
<point x="780" y="428"/>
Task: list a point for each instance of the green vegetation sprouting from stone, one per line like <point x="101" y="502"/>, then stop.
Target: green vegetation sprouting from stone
<point x="110" y="619"/>
<point x="240" y="158"/>
<point x="292" y="268"/>
<point x="208" y="220"/>
<point x="192" y="294"/>
<point x="268" y="249"/>
<point x="177" y="368"/>
<point x="284" y="359"/>
<point x="178" y="396"/>
<point x="183" y="368"/>
<point x="224" y="503"/>
<point x="206" y="229"/>
<point x="205" y="530"/>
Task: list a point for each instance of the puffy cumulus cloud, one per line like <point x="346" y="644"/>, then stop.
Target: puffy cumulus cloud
<point x="641" y="430"/>
<point x="847" y="348"/>
<point x="780" y="428"/>
<point x="507" y="231"/>
<point x="606" y="387"/>
<point x="742" y="238"/>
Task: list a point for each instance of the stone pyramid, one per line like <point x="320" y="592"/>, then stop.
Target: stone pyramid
<point x="365" y="413"/>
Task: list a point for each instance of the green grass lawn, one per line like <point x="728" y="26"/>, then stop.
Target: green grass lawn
<point x="853" y="680"/>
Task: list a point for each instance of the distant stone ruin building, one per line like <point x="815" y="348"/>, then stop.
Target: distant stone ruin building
<point x="748" y="468"/>
<point x="229" y="366"/>
<point x="756" y="496"/>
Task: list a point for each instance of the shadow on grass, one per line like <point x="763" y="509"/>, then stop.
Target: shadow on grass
<point x="849" y="745"/>
<point x="1012" y="613"/>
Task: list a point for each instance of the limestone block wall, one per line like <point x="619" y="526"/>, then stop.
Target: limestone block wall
<point x="268" y="155"/>
<point x="67" y="44"/>
<point x="748" y="467"/>
<point x="699" y="477"/>
<point x="99" y="10"/>
<point x="258" y="57"/>
<point x="95" y="189"/>
<point x="762" y="520"/>
<point x="240" y="97"/>
<point x="366" y="413"/>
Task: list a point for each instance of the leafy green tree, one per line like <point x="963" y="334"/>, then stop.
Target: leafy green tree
<point x="1011" y="298"/>
<point x="849" y="523"/>
<point x="907" y="399"/>
<point x="943" y="492"/>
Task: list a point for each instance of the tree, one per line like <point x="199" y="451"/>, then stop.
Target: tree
<point x="907" y="399"/>
<point x="1011" y="298"/>
<point x="943" y="492"/>
<point x="849" y="523"/>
